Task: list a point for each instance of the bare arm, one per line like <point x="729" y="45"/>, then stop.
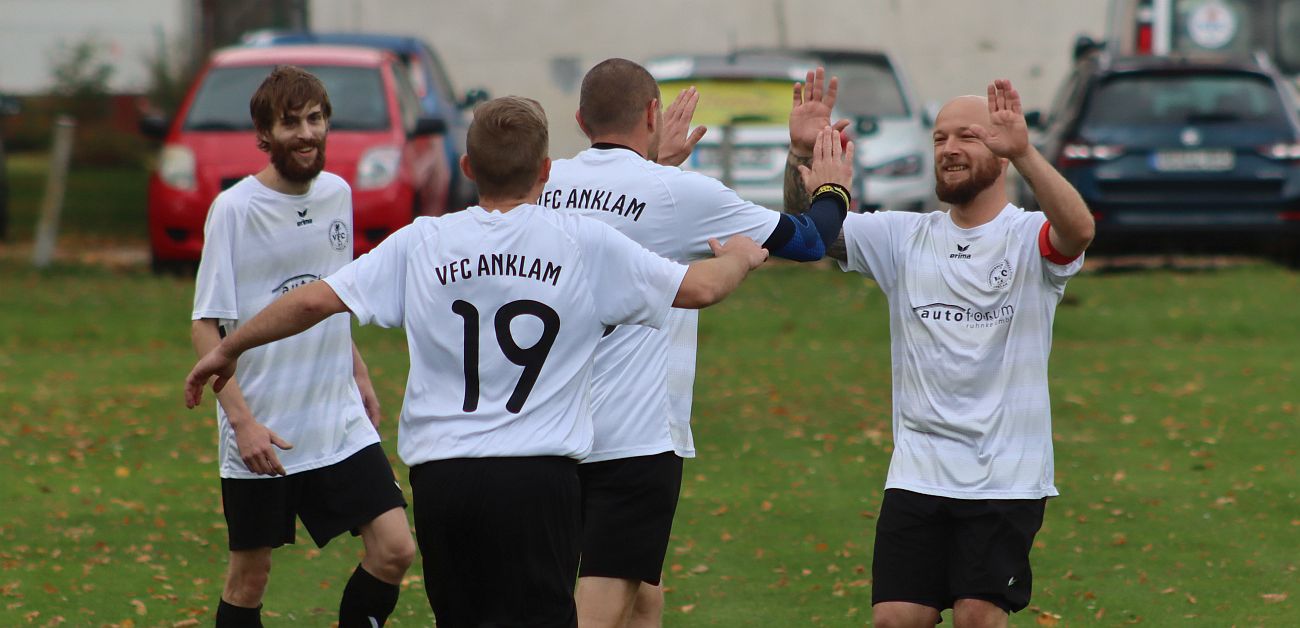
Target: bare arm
<point x="293" y="313"/>
<point x="256" y="443"/>
<point x="1008" y="136"/>
<point x="368" y="397"/>
<point x="710" y="281"/>
<point x="1072" y="227"/>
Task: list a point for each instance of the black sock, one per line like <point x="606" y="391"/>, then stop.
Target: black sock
<point x="231" y="616"/>
<point x="365" y="598"/>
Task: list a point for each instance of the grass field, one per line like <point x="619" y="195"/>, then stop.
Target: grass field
<point x="1175" y="401"/>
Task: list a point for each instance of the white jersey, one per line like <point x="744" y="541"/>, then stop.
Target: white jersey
<point x="644" y="377"/>
<point x="970" y="319"/>
<point x="502" y="313"/>
<point x="258" y="245"/>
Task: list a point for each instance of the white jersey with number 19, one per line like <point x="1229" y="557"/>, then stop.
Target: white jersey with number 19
<point x="502" y="313"/>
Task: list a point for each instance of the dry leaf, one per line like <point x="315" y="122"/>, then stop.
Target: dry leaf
<point x="1273" y="598"/>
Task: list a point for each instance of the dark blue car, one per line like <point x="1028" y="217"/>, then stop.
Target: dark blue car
<point x="437" y="96"/>
<point x="1181" y="154"/>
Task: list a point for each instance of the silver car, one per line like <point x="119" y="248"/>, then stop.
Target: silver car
<point x="745" y="102"/>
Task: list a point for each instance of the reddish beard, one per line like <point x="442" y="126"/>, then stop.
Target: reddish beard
<point x="983" y="173"/>
<point x="282" y="157"/>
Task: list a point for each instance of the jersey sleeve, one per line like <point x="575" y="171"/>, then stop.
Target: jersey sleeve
<point x="214" y="286"/>
<point x="708" y="209"/>
<point x="373" y="286"/>
<point x="631" y="286"/>
<point x="872" y="242"/>
<point x="1057" y="269"/>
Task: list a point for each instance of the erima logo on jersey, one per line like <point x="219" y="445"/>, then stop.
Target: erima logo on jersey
<point x="942" y="313"/>
<point x="961" y="252"/>
<point x="303" y="219"/>
<point x="294" y="282"/>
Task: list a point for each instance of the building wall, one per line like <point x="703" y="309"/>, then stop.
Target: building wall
<point x="31" y="31"/>
<point x="540" y="48"/>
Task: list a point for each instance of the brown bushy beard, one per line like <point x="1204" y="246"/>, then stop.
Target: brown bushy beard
<point x="287" y="166"/>
<point x="983" y="173"/>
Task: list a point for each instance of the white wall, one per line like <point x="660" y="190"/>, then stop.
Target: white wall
<point x="32" y="30"/>
<point x="512" y="46"/>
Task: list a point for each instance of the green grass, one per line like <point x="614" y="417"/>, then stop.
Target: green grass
<point x="99" y="203"/>
<point x="1175" y="400"/>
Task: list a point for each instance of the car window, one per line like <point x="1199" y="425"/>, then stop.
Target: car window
<point x="1288" y="33"/>
<point x="1144" y="99"/>
<point x="407" y="100"/>
<point x="868" y="89"/>
<point x="746" y="101"/>
<point x="357" y="96"/>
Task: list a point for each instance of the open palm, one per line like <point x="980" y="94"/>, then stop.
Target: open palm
<point x="814" y="100"/>
<point x="1007" y="134"/>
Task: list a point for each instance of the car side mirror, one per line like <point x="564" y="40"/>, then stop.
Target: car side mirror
<point x="474" y="97"/>
<point x="1034" y="119"/>
<point x="154" y="126"/>
<point x="428" y="125"/>
<point x="930" y="113"/>
<point x="9" y="105"/>
<point x="1084" y="46"/>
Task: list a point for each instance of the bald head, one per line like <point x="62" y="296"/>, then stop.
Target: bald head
<point x="966" y="110"/>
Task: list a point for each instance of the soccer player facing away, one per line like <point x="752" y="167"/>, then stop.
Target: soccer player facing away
<point x="297" y="424"/>
<point x="503" y="305"/>
<point x="972" y="294"/>
<point x="643" y="379"/>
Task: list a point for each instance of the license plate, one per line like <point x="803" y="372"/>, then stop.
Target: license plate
<point x="1194" y="160"/>
<point x="741" y="157"/>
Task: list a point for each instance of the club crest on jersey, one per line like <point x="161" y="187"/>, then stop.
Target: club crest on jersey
<point x="1000" y="275"/>
<point x="339" y="236"/>
<point x="292" y="283"/>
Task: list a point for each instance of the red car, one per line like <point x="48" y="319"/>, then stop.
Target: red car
<point x="390" y="154"/>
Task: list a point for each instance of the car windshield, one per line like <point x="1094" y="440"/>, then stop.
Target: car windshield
<point x="868" y="89"/>
<point x="736" y="101"/>
<point x="1140" y="99"/>
<point x="356" y="96"/>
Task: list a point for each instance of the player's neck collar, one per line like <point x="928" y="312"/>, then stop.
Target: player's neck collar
<point x="611" y="146"/>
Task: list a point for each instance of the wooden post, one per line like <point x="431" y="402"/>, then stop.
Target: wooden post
<point x="47" y="230"/>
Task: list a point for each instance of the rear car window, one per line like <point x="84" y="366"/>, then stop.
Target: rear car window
<point x="738" y="101"/>
<point x="1180" y="99"/>
<point x="356" y="95"/>
<point x="868" y="89"/>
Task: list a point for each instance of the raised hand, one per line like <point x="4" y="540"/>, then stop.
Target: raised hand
<point x="811" y="110"/>
<point x="1007" y="134"/>
<point x="830" y="164"/>
<point x="675" y="144"/>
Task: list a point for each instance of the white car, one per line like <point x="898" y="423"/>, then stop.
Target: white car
<point x="892" y="131"/>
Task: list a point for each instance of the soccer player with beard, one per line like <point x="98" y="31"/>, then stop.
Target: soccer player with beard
<point x="310" y="396"/>
<point x="972" y="293"/>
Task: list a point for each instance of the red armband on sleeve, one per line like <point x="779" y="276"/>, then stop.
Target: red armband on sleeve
<point x="1048" y="251"/>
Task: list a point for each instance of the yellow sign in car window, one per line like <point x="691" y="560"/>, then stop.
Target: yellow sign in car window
<point x="738" y="101"/>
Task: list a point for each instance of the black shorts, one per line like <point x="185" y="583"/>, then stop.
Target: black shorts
<point x="499" y="540"/>
<point x="627" y="515"/>
<point x="935" y="550"/>
<point x="330" y="500"/>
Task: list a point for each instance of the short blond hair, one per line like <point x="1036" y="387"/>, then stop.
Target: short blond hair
<point x="506" y="145"/>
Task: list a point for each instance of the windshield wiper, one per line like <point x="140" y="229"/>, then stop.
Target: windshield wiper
<point x="216" y="125"/>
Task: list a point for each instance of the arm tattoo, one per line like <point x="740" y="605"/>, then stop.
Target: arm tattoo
<point x="837" y="250"/>
<point x="796" y="198"/>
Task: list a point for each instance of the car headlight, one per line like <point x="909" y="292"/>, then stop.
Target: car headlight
<point x="908" y="166"/>
<point x="378" y="167"/>
<point x="176" y="167"/>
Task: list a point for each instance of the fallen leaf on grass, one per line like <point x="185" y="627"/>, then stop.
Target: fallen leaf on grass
<point x="1047" y="619"/>
<point x="1273" y="598"/>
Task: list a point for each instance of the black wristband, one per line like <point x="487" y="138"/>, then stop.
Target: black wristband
<point x="836" y="191"/>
